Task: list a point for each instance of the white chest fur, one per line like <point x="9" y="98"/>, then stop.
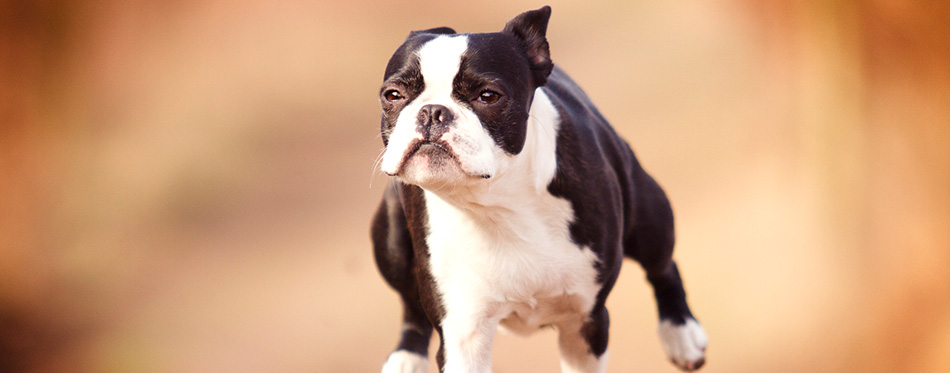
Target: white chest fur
<point x="515" y="265"/>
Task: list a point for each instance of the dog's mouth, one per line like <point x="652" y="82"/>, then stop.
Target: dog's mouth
<point x="430" y="148"/>
<point x="438" y="155"/>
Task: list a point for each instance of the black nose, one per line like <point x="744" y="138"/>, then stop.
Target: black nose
<point x="434" y="120"/>
<point x="431" y="115"/>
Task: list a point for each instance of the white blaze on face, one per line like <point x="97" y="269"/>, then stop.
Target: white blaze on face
<point x="439" y="61"/>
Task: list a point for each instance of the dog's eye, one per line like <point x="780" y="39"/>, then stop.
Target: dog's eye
<point x="488" y="97"/>
<point x="392" y="95"/>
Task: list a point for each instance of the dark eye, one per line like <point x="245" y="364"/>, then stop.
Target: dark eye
<point x="392" y="95"/>
<point x="488" y="97"/>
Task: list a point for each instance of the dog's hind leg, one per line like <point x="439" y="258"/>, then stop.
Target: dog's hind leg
<point x="393" y="250"/>
<point x="650" y="242"/>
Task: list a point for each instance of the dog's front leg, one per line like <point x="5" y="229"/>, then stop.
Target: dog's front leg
<point x="467" y="335"/>
<point x="583" y="342"/>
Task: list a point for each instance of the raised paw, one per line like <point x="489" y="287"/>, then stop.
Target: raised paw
<point x="684" y="344"/>
<point x="403" y="361"/>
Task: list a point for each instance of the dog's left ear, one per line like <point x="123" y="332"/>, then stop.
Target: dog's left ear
<point x="530" y="28"/>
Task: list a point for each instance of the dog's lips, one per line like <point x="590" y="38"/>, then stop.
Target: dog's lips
<point x="426" y="146"/>
<point x="439" y="150"/>
<point x="433" y="148"/>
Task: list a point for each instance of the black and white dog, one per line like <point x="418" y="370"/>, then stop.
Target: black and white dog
<point x="513" y="204"/>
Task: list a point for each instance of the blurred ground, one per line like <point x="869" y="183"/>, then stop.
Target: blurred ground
<point x="186" y="186"/>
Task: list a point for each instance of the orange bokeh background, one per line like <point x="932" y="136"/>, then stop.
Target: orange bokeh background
<point x="186" y="186"/>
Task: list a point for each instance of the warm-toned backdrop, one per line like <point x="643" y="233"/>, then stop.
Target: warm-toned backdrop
<point x="185" y="186"/>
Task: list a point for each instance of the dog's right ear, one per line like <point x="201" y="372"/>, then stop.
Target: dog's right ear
<point x="437" y="31"/>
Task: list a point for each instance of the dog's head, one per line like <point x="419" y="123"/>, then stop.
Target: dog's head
<point x="455" y="106"/>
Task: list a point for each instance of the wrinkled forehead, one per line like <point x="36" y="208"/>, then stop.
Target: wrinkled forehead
<point x="489" y="56"/>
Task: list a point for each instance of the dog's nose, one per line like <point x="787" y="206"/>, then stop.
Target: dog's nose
<point x="434" y="115"/>
<point x="434" y="120"/>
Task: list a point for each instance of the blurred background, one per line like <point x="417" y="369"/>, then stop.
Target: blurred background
<point x="186" y="186"/>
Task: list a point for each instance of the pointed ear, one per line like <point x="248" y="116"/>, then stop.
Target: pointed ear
<point x="437" y="30"/>
<point x="530" y="28"/>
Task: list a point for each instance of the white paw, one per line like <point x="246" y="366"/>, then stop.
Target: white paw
<point x="403" y="361"/>
<point x="685" y="344"/>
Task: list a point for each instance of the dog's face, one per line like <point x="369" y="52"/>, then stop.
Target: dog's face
<point x="455" y="106"/>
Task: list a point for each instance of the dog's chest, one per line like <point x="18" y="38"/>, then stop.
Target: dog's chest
<point x="516" y="264"/>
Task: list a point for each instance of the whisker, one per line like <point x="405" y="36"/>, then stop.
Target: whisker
<point x="376" y="166"/>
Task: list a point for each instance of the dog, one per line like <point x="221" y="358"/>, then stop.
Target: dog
<point x="512" y="204"/>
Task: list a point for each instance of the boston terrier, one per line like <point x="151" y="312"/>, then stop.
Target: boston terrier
<point x="512" y="204"/>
